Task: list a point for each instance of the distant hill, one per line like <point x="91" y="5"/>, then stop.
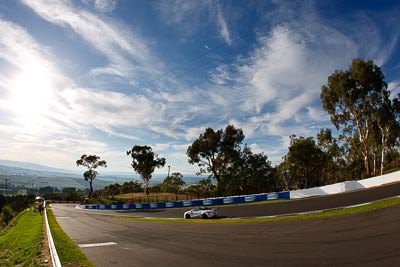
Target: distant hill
<point x="32" y="166"/>
<point x="35" y="176"/>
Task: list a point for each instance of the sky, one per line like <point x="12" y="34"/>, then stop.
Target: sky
<point x="100" y="76"/>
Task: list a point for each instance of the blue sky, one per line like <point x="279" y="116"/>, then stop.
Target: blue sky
<point x="100" y="76"/>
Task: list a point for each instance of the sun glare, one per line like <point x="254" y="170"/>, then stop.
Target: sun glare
<point x="31" y="91"/>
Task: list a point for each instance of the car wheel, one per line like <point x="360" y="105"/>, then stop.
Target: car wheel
<point x="187" y="216"/>
<point x="205" y="216"/>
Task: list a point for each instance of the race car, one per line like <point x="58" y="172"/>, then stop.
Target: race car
<point x="200" y="212"/>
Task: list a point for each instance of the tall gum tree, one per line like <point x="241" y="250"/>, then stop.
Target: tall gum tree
<point x="387" y="121"/>
<point x="351" y="98"/>
<point x="91" y="162"/>
<point x="144" y="162"/>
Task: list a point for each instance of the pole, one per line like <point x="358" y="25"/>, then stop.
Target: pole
<point x="169" y="167"/>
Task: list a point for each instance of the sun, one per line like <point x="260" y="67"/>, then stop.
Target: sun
<point x="31" y="91"/>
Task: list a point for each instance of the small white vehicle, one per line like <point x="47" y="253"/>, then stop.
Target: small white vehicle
<point x="201" y="213"/>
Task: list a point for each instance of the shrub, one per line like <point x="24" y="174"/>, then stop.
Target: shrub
<point x="6" y="215"/>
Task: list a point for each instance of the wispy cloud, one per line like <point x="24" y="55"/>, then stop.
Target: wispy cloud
<point x="17" y="46"/>
<point x="122" y="47"/>
<point x="279" y="82"/>
<point x="223" y="26"/>
<point x="270" y="89"/>
<point x="65" y="132"/>
<point x="103" y="6"/>
<point x="195" y="16"/>
<point x="394" y="88"/>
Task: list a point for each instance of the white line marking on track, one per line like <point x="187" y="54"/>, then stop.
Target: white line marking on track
<point x="96" y="245"/>
<point x="359" y="205"/>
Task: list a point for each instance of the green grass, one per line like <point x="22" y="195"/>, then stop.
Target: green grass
<point x="370" y="207"/>
<point x="21" y="242"/>
<point x="68" y="252"/>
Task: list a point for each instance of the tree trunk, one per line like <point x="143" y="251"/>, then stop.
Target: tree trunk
<point x="374" y="155"/>
<point x="382" y="159"/>
<point x="367" y="166"/>
<point x="91" y="188"/>
<point x="383" y="147"/>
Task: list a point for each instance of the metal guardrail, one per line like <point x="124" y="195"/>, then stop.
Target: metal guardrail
<point x="53" y="252"/>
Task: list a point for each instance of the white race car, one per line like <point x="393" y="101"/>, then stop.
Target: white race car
<point x="200" y="212"/>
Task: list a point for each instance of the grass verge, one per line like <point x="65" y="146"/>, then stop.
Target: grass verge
<point x="22" y="241"/>
<point x="370" y="207"/>
<point x="70" y="254"/>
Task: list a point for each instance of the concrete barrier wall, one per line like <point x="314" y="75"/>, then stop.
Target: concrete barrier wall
<point x="346" y="186"/>
<point x="310" y="192"/>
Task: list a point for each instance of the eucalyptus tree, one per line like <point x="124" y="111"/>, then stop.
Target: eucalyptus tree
<point x="387" y="121"/>
<point x="173" y="183"/>
<point x="214" y="151"/>
<point x="91" y="162"/>
<point x="305" y="161"/>
<point x="333" y="171"/>
<point x="112" y="189"/>
<point x="207" y="187"/>
<point x="144" y="162"/>
<point x="249" y="173"/>
<point x="352" y="97"/>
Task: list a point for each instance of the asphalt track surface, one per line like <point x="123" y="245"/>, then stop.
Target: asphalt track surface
<point x="365" y="239"/>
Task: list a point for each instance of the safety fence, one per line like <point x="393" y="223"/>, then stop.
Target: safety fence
<point x="197" y="202"/>
<point x="303" y="193"/>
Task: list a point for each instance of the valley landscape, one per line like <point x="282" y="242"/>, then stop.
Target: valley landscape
<point x="22" y="176"/>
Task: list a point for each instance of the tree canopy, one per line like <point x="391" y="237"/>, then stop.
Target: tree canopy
<point x="236" y="169"/>
<point x="91" y="162"/>
<point x="306" y="161"/>
<point x="213" y="151"/>
<point x="353" y="98"/>
<point x="173" y="183"/>
<point x="144" y="162"/>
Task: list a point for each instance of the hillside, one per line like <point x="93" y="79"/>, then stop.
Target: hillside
<point x="34" y="176"/>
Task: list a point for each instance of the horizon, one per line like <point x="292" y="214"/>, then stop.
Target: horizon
<point x="97" y="77"/>
<point x="43" y="168"/>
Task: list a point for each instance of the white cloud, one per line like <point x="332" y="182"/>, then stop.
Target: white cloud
<point x="105" y="6"/>
<point x="394" y="88"/>
<point x="222" y="74"/>
<point x="223" y="26"/>
<point x="193" y="16"/>
<point x="58" y="134"/>
<point x="182" y="11"/>
<point x="271" y="90"/>
<point x="256" y="149"/>
<point x="121" y="46"/>
<point x="278" y="84"/>
<point x="102" y="6"/>
<point x="17" y="47"/>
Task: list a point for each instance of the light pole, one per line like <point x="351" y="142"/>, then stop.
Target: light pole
<point x="169" y="167"/>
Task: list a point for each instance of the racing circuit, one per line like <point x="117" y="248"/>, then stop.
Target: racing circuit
<point x="363" y="239"/>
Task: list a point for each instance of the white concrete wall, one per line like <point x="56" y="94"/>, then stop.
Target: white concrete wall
<point x="346" y="186"/>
